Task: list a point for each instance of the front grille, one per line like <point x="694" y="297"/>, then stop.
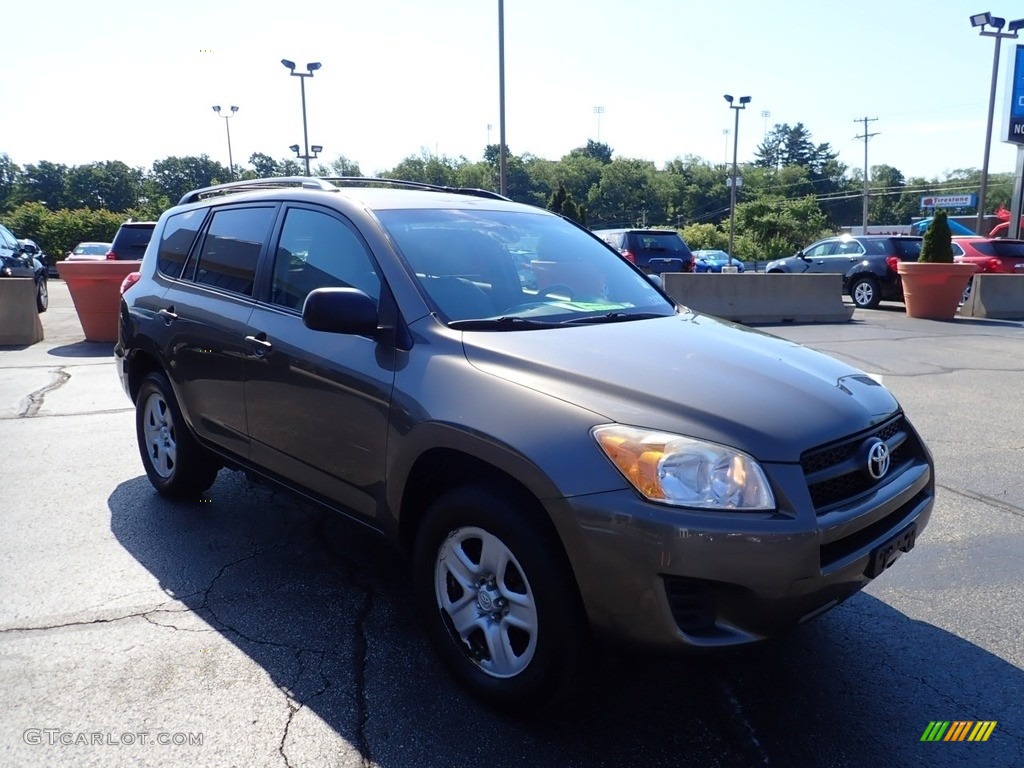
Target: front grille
<point x="837" y="473"/>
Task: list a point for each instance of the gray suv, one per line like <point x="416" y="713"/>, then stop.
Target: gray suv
<point x="572" y="460"/>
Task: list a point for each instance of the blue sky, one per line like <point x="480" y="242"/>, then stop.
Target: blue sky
<point x="135" y="81"/>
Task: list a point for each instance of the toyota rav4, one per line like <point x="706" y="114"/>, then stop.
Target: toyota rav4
<point x="574" y="459"/>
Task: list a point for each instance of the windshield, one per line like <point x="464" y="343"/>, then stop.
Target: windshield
<point x="93" y="249"/>
<point x="518" y="270"/>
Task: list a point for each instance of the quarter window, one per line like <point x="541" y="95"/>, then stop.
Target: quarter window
<point x="319" y="251"/>
<point x="232" y="247"/>
<point x="179" y="234"/>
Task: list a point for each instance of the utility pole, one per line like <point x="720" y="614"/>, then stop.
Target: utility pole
<point x="866" y="136"/>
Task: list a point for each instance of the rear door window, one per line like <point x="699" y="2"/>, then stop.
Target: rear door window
<point x="231" y="248"/>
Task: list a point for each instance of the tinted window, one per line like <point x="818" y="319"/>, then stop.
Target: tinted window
<point x="661" y="242"/>
<point x="176" y="241"/>
<point x="908" y="250"/>
<point x="1007" y="249"/>
<point x="319" y="251"/>
<point x="130" y="242"/>
<point x="231" y="248"/>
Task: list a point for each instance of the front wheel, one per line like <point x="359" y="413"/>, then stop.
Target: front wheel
<point x="498" y="599"/>
<point x="177" y="466"/>
<point x="864" y="292"/>
<point x="42" y="296"/>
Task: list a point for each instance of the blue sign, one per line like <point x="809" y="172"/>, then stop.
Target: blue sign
<point x="1015" y="125"/>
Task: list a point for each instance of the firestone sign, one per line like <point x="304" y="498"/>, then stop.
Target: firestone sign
<point x="949" y="201"/>
<point x="1015" y="125"/>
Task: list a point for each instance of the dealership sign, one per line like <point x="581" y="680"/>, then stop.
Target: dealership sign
<point x="1015" y="123"/>
<point x="949" y="201"/>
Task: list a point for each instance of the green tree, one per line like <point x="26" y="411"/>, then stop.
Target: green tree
<point x="937" y="246"/>
<point x="45" y="183"/>
<point x="174" y="176"/>
<point x="111" y="185"/>
<point x="9" y="173"/>
<point x="626" y="195"/>
<point x="705" y="237"/>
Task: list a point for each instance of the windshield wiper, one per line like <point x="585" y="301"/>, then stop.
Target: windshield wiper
<point x="506" y="323"/>
<point x="613" y="317"/>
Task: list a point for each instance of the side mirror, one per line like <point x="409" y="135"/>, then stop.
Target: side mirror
<point x="340" y="310"/>
<point x="657" y="281"/>
<point x="801" y="255"/>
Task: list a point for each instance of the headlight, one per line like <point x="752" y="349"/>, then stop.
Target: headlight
<point x="685" y="472"/>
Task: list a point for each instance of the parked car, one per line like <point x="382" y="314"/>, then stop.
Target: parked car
<point x="995" y="255"/>
<point x="15" y="261"/>
<point x="920" y="227"/>
<point x="131" y="240"/>
<point x="866" y="262"/>
<point x="542" y="455"/>
<point x="30" y="248"/>
<point x="653" y="250"/>
<point x="89" y="252"/>
<point x="713" y="261"/>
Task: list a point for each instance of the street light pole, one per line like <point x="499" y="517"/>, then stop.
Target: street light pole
<point x="311" y="68"/>
<point x="982" y="20"/>
<point x="227" y="126"/>
<point x="743" y="101"/>
<point x="598" y="111"/>
<point x="502" y="159"/>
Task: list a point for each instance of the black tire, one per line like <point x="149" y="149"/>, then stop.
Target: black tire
<point x="42" y="296"/>
<point x="177" y="466"/>
<point x="967" y="292"/>
<point x="544" y="662"/>
<point x="864" y="292"/>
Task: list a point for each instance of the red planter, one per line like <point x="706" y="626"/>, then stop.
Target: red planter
<point x="95" y="290"/>
<point x="933" y="290"/>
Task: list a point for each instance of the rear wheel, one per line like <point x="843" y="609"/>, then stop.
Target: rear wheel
<point x="498" y="599"/>
<point x="864" y="292"/>
<point x="177" y="466"/>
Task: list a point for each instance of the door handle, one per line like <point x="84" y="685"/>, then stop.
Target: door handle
<point x="168" y="315"/>
<point x="260" y="344"/>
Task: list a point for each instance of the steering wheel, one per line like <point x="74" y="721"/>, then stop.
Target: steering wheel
<point x="559" y="288"/>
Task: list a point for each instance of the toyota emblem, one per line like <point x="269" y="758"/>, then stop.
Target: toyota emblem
<point x="878" y="460"/>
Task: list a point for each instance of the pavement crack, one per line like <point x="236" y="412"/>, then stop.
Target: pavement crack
<point x="991" y="501"/>
<point x="34" y="400"/>
<point x="87" y="622"/>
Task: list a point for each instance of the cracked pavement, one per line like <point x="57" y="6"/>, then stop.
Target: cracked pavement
<point x="286" y="637"/>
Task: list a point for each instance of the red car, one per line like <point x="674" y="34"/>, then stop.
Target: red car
<point x="990" y="254"/>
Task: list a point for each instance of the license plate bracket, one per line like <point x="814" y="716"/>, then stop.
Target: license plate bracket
<point x="889" y="552"/>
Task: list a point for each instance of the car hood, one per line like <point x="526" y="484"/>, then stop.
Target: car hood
<point x="694" y="375"/>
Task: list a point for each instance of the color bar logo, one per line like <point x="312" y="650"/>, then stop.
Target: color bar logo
<point x="958" y="730"/>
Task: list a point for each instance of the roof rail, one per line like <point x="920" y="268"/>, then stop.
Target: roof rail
<point x="326" y="184"/>
<point x="251" y="185"/>
<point x="402" y="183"/>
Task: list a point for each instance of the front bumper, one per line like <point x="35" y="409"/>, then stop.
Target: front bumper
<point x="672" y="578"/>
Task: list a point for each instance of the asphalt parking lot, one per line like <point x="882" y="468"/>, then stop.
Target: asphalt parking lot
<point x="252" y="630"/>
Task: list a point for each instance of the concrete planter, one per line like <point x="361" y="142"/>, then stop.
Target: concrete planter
<point x="933" y="291"/>
<point x="95" y="290"/>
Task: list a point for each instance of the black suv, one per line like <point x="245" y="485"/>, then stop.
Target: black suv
<point x="131" y="240"/>
<point x="653" y="250"/>
<point x="540" y="452"/>
<point x="866" y="262"/>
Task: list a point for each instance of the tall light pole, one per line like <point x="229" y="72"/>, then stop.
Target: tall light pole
<point x="598" y="111"/>
<point x="311" y="68"/>
<point x="743" y="101"/>
<point x="765" y="114"/>
<point x="231" y="162"/>
<point x="983" y="20"/>
<point x="502" y="159"/>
